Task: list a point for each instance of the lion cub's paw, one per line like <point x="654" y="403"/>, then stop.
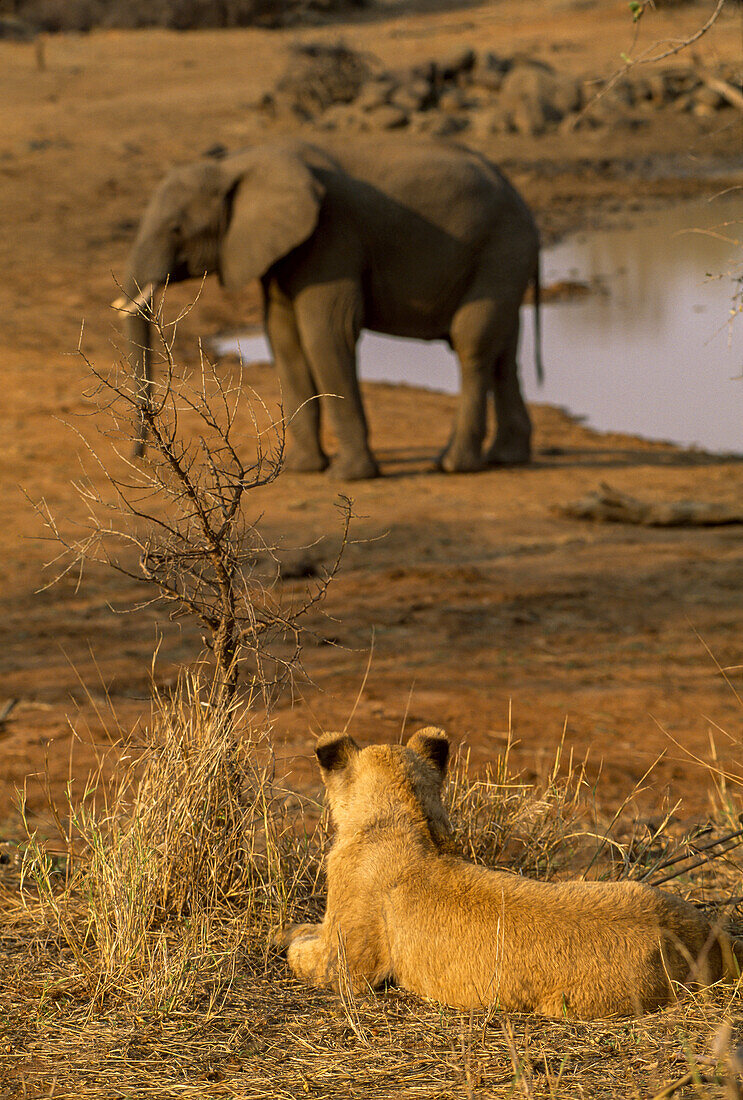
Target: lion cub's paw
<point x="289" y="933"/>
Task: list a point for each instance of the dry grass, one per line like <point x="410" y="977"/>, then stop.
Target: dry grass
<point x="137" y="964"/>
<point x="169" y="877"/>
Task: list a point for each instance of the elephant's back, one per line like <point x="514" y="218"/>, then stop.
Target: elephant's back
<point x="450" y="186"/>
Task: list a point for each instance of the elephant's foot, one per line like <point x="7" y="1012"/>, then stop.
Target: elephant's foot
<point x="460" y="460"/>
<point x="299" y="461"/>
<point x="509" y="454"/>
<point x="353" y="467"/>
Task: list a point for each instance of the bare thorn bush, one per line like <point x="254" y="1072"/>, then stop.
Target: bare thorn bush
<point x="178" y="519"/>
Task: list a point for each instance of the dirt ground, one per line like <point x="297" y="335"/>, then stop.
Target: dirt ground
<point x="481" y="602"/>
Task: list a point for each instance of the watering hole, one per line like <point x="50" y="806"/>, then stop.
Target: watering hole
<point x="655" y="349"/>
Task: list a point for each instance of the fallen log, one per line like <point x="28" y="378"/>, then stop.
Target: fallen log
<point x="610" y="505"/>
<point x="722" y="87"/>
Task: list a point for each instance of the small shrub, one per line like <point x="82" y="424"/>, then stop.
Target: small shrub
<point x="188" y="864"/>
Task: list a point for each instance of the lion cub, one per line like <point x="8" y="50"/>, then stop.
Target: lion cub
<point x="401" y="908"/>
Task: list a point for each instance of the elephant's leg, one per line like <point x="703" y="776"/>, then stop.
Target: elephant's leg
<point x="299" y="394"/>
<point x="474" y="339"/>
<point x="329" y="330"/>
<point x="512" y="443"/>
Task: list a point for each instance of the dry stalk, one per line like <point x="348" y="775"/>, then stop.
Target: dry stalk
<point x="347" y="994"/>
<point x="498" y="817"/>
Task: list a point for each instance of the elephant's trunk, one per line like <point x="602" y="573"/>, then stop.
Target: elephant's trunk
<point x="149" y="268"/>
<point x="139" y="338"/>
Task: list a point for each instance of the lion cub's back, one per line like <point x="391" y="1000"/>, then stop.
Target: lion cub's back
<point x="470" y="937"/>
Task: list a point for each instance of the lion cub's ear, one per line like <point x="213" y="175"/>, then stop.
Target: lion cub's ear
<point x="335" y="750"/>
<point x="433" y="745"/>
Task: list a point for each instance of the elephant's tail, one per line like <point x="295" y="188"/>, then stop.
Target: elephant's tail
<point x="538" y="326"/>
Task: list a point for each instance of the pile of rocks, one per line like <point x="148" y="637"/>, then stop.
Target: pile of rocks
<point x="486" y="94"/>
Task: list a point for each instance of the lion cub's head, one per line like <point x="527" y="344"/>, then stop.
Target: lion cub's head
<point x="386" y="785"/>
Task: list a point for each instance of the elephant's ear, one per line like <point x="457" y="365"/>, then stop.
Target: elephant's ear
<point x="275" y="206"/>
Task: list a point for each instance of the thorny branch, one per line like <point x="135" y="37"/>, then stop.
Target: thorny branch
<point x="177" y="520"/>
<point x="651" y="55"/>
<point x="671" y="46"/>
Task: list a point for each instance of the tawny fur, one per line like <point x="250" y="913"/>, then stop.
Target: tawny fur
<point x="402" y="908"/>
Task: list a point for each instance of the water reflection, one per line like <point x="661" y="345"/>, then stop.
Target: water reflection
<point x="657" y="354"/>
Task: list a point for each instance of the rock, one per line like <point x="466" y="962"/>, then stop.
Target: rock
<point x="641" y="90"/>
<point x="538" y="98"/>
<point x="657" y="88"/>
<point x="438" y="124"/>
<point x="343" y="116"/>
<point x="649" y="91"/>
<point x="387" y="117"/>
<point x="318" y="76"/>
<point x="492" y="120"/>
<point x="585" y="122"/>
<point x="525" y="94"/>
<point x="424" y="71"/>
<point x="614" y="506"/>
<point x="15" y="30"/>
<point x="529" y="117"/>
<point x="415" y="96"/>
<point x="609" y="112"/>
<point x="567" y="95"/>
<point x="489" y="71"/>
<point x="452" y="100"/>
<point x="624" y="92"/>
<point x="375" y="93"/>
<point x="525" y="60"/>
<point x="678" y="81"/>
<point x="452" y="64"/>
<point x="683" y="103"/>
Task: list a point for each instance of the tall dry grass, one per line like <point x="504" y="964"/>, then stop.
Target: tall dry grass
<point x="185" y="866"/>
<point x="499" y="817"/>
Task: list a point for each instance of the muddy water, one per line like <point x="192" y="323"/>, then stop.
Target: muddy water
<point x="653" y="350"/>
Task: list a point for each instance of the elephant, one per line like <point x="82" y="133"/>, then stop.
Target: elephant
<point x="406" y="236"/>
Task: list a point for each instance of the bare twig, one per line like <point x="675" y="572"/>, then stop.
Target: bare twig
<point x="709" y="853"/>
